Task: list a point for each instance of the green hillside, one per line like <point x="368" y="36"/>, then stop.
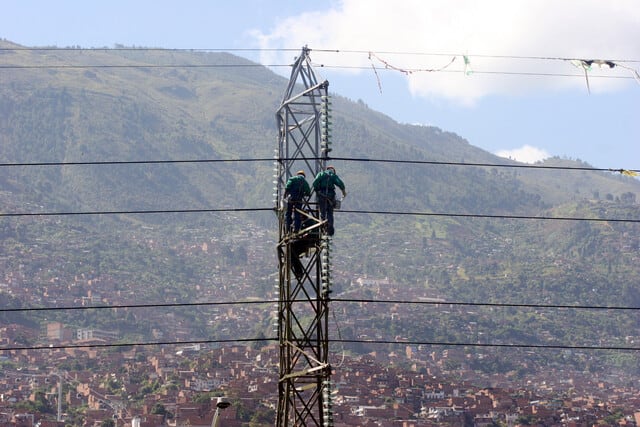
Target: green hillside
<point x="134" y="105"/>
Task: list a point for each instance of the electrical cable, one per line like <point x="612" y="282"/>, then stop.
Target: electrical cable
<point x="151" y="66"/>
<point x="324" y="50"/>
<point x="158" y="305"/>
<point x="505" y="73"/>
<point x="133" y="212"/>
<point x="144" y="49"/>
<point x="418" y="53"/>
<point x="492" y="165"/>
<point x="461" y="215"/>
<point x="377" y="341"/>
<point x="342" y="350"/>
<point x="486" y="304"/>
<point x="338" y="300"/>
<point x="137" y="162"/>
<point x="138" y="66"/>
<point x="460" y="344"/>
<point x="386" y="68"/>
<point x="369" y="212"/>
<point x="15" y="214"/>
<point x="346" y="159"/>
<point x="584" y="64"/>
<point x="143" y="343"/>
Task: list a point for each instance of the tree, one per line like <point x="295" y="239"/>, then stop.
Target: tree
<point x="39" y="404"/>
<point x="525" y="420"/>
<point x="159" y="409"/>
<point x="262" y="417"/>
<point x="628" y="198"/>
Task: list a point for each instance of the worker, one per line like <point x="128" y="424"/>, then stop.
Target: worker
<point x="324" y="186"/>
<point x="302" y="243"/>
<point x="295" y="192"/>
<point x="298" y="247"/>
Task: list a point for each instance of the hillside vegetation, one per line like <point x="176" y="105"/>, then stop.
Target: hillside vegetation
<point x="137" y="105"/>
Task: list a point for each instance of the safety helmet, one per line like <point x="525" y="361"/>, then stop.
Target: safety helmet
<point x="301" y="172"/>
<point x="332" y="168"/>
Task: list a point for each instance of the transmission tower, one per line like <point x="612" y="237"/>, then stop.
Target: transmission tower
<point x="304" y="385"/>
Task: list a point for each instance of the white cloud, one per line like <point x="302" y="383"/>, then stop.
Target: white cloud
<point x="586" y="29"/>
<point x="524" y="154"/>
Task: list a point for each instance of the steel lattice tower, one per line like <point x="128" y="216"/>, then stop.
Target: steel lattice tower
<point x="304" y="386"/>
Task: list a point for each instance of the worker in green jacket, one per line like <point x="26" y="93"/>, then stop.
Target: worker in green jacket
<point x="296" y="190"/>
<point x="324" y="186"/>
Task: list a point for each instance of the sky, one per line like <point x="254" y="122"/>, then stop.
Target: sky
<point x="513" y="77"/>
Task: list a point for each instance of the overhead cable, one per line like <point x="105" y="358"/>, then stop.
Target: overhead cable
<point x="469" y="344"/>
<point x="627" y="172"/>
<point x="584" y="63"/>
<point x="336" y="300"/>
<point x="484" y="304"/>
<point x="258" y="209"/>
<point x="136" y="162"/>
<point x="408" y="70"/>
<point x="376" y="341"/>
<point x="407" y="213"/>
<point x="131" y="344"/>
<point x="297" y="49"/>
<point x="155" y="305"/>
<point x="462" y="215"/>
<point x="139" y="66"/>
<point x="134" y="212"/>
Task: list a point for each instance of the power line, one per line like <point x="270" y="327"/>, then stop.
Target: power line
<point x="377" y="341"/>
<point x="131" y="344"/>
<point x="489" y="72"/>
<point x="584" y="64"/>
<point x="136" y="162"/>
<point x="133" y="212"/>
<point x="144" y="49"/>
<point x="485" y="304"/>
<point x="325" y="50"/>
<point x="404" y="213"/>
<point x="460" y="344"/>
<point x="403" y="342"/>
<point x="139" y="66"/>
<point x="346" y="159"/>
<point x="158" y="305"/>
<point x="461" y="215"/>
<point x="493" y="165"/>
<point x="349" y="300"/>
<point x="337" y="300"/>
<point x="458" y="54"/>
<point x="345" y="67"/>
<point x="370" y="212"/>
<point x="151" y="66"/>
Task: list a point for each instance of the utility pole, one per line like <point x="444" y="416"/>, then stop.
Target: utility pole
<point x="304" y="384"/>
<point x="59" y="376"/>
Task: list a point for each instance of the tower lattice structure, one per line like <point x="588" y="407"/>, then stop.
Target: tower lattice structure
<point x="304" y="384"/>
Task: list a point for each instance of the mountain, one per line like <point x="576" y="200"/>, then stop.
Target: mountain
<point x="482" y="234"/>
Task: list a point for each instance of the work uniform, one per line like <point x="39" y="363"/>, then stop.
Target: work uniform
<point x="325" y="185"/>
<point x="296" y="189"/>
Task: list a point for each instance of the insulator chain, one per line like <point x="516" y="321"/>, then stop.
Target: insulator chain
<point x="276" y="180"/>
<point x="325" y="125"/>
<point x="327" y="404"/>
<point x="275" y="323"/>
<point x="326" y="265"/>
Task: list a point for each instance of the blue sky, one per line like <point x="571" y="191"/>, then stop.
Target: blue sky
<point x="520" y="94"/>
